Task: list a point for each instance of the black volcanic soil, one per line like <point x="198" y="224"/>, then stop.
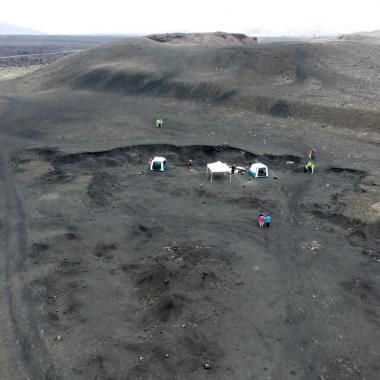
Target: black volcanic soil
<point x="111" y="271"/>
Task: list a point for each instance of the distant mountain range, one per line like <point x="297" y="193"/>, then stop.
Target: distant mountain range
<point x="374" y="34"/>
<point x="9" y="29"/>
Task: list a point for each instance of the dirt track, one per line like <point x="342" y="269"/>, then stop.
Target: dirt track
<point x="125" y="264"/>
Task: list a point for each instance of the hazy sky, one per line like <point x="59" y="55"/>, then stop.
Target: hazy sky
<point x="139" y="16"/>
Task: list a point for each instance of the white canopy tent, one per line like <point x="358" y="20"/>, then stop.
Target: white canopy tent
<point x="218" y="167"/>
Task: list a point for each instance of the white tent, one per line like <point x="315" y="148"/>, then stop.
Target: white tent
<point x="158" y="164"/>
<point x="218" y="167"/>
<point x="258" y="170"/>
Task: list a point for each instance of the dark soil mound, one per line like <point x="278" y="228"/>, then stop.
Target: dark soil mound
<point x="220" y="67"/>
<point x="217" y="38"/>
<point x="139" y="154"/>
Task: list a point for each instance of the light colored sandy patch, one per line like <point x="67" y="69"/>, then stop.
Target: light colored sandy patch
<point x="37" y="168"/>
<point x="38" y="271"/>
<point x="78" y="183"/>
<point x="46" y="234"/>
<point x="49" y="197"/>
<point x="284" y="79"/>
<point x="376" y="207"/>
<point x="14" y="72"/>
<point x="365" y="205"/>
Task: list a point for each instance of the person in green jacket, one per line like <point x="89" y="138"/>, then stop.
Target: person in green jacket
<point x="309" y="167"/>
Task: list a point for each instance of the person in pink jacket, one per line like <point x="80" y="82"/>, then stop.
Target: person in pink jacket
<point x="261" y="220"/>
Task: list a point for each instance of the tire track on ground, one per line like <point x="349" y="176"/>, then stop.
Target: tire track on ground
<point x="301" y="324"/>
<point x="33" y="361"/>
<point x="288" y="281"/>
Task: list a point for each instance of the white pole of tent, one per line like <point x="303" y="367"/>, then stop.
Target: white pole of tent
<point x="230" y="177"/>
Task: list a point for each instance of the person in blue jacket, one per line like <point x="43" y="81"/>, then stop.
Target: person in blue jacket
<point x="268" y="220"/>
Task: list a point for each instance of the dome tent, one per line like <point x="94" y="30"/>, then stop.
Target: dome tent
<point x="158" y="164"/>
<point x="258" y="170"/>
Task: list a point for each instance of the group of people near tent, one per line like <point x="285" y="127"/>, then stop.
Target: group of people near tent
<point x="256" y="170"/>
